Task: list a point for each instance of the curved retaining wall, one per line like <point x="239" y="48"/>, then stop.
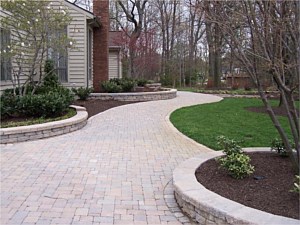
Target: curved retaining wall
<point x="207" y="207"/>
<point x="137" y="96"/>
<point x="40" y="131"/>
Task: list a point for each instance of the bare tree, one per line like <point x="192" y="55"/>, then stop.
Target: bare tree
<point x="196" y="32"/>
<point x="264" y="36"/>
<point x="214" y="39"/>
<point x="134" y="13"/>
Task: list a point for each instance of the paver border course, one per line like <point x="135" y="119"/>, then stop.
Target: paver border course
<point x="207" y="207"/>
<point x="166" y="93"/>
<point x="45" y="130"/>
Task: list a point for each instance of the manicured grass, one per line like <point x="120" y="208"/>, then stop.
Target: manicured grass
<point x="32" y="121"/>
<point x="204" y="123"/>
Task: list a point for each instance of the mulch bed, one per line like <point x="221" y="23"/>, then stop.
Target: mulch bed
<point x="270" y="194"/>
<point x="95" y="106"/>
<point x="279" y="111"/>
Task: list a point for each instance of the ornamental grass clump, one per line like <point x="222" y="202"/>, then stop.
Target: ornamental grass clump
<point x="235" y="161"/>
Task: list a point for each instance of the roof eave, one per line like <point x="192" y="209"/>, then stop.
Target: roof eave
<point x="94" y="22"/>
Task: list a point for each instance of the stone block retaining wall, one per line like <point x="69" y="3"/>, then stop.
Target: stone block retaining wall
<point x="207" y="207"/>
<point x="137" y="96"/>
<point x="40" y="131"/>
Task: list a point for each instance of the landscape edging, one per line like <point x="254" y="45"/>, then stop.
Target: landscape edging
<point x="45" y="130"/>
<point x="207" y="207"/>
<point x="167" y="93"/>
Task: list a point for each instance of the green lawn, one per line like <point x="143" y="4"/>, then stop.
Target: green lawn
<point x="204" y="123"/>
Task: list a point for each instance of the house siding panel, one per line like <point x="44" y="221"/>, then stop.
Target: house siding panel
<point x="113" y="65"/>
<point x="77" y="58"/>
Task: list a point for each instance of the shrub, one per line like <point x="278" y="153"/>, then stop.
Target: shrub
<point x="51" y="78"/>
<point x="141" y="82"/>
<point x="229" y="146"/>
<point x="50" y="99"/>
<point x="111" y="87"/>
<point x="51" y="104"/>
<point x="127" y="84"/>
<point x="278" y="146"/>
<point x="8" y="104"/>
<point x="166" y="80"/>
<point x="82" y="93"/>
<point x="235" y="161"/>
<point x="116" y="85"/>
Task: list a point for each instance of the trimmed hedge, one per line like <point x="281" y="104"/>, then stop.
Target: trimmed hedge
<point x="45" y="104"/>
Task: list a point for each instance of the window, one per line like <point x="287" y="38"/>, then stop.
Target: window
<point x="5" y="63"/>
<point x="60" y="58"/>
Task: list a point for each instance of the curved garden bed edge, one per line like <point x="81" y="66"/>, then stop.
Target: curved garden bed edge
<point x="45" y="130"/>
<point x="205" y="206"/>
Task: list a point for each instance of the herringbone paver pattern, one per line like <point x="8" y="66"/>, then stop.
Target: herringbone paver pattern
<point x="113" y="171"/>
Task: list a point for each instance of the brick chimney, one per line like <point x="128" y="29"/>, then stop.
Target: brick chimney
<point x="100" y="49"/>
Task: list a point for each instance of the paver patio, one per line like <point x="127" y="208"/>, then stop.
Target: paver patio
<point x="116" y="170"/>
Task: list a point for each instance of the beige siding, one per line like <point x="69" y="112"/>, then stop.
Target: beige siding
<point x="114" y="67"/>
<point x="77" y="68"/>
<point x="77" y="58"/>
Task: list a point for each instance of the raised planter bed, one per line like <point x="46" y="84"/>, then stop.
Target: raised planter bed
<point x="40" y="131"/>
<point x="207" y="207"/>
<point x="165" y="93"/>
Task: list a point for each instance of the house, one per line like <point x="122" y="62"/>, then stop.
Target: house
<point x="239" y="80"/>
<point x="88" y="64"/>
<point x="115" y="57"/>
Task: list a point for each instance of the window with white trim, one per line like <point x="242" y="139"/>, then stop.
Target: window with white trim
<point x="60" y="58"/>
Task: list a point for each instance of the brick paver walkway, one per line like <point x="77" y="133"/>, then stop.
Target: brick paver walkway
<point x="116" y="170"/>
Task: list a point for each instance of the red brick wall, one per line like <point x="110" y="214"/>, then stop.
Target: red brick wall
<point x="100" y="51"/>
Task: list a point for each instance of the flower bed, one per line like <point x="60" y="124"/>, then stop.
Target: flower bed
<point x="207" y="207"/>
<point x="40" y="131"/>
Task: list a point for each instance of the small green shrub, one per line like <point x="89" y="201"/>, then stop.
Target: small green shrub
<point x="116" y="85"/>
<point x="51" y="78"/>
<point x="229" y="146"/>
<point x="296" y="187"/>
<point x="8" y="104"/>
<point x="235" y="161"/>
<point x="49" y="100"/>
<point x="141" y="82"/>
<point x="51" y="104"/>
<point x="111" y="87"/>
<point x="82" y="93"/>
<point x="237" y="165"/>
<point x="278" y="146"/>
<point x="127" y="84"/>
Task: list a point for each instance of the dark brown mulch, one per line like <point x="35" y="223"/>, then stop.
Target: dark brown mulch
<point x="279" y="111"/>
<point x="95" y="106"/>
<point x="270" y="194"/>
